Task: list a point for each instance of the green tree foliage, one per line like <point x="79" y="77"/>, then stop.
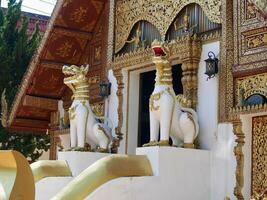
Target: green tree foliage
<point x="16" y="50"/>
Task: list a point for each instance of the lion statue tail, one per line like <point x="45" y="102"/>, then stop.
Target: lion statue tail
<point x="189" y="117"/>
<point x="105" y="119"/>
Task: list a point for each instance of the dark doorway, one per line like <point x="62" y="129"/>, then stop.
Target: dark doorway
<point x="147" y="81"/>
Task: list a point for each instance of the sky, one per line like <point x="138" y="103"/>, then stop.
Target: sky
<point x="42" y="7"/>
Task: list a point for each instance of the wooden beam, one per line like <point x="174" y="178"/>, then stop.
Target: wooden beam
<point x="40" y="102"/>
<point x="23" y="130"/>
<point x="31" y="123"/>
<point x="52" y="65"/>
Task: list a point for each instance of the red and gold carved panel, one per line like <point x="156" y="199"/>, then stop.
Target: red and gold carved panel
<point x="249" y="45"/>
<point x="80" y="14"/>
<point x="47" y="82"/>
<point x="250" y="37"/>
<point x="259" y="155"/>
<point x="254" y="41"/>
<point x="65" y="46"/>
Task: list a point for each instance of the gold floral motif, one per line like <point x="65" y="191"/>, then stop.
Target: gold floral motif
<point x="183" y="101"/>
<point x="259" y="155"/>
<point x="251" y="11"/>
<point x="64" y="50"/>
<point x="98" y="109"/>
<point x="159" y="13"/>
<point x="79" y="14"/>
<point x="251" y="85"/>
<point x="153" y="98"/>
<point x="256" y="41"/>
<point x="72" y="113"/>
<point x="98" y="53"/>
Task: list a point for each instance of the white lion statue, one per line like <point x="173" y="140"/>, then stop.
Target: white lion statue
<point x="85" y="127"/>
<point x="167" y="116"/>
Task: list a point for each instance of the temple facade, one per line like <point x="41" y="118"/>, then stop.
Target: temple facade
<point x="217" y="51"/>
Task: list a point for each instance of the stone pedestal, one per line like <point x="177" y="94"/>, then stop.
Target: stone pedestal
<point x="179" y="174"/>
<point x="77" y="161"/>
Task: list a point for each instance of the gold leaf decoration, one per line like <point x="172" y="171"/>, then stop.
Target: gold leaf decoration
<point x="159" y="13"/>
<point x="259" y="155"/>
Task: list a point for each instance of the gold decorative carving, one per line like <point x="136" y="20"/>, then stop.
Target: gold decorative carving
<point x="226" y="61"/>
<point x="261" y="4"/>
<point x="184" y="102"/>
<point x="250" y="85"/>
<point x="98" y="109"/>
<point x="156" y="97"/>
<point x="248" y="109"/>
<point x="110" y="43"/>
<point x="137" y="38"/>
<point x="97" y="53"/>
<point x="233" y="58"/>
<point x="79" y="14"/>
<point x="160" y="14"/>
<point x="238" y="151"/>
<point x="236" y="57"/>
<point x="153" y="98"/>
<point x="211" y="36"/>
<point x="259" y="150"/>
<point x="256" y="38"/>
<point x="185" y="50"/>
<point x="64" y="50"/>
<point x="185" y="24"/>
<point x="249" y="40"/>
<point x="251" y="11"/>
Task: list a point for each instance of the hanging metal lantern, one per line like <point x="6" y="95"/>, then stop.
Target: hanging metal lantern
<point x="211" y="65"/>
<point x="104" y="89"/>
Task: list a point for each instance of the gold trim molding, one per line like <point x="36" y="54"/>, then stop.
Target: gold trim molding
<point x="248" y="109"/>
<point x="238" y="151"/>
<point x="259" y="162"/>
<point x="185" y="50"/>
<point x="159" y="13"/>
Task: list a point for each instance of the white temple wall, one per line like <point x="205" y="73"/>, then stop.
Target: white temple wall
<point x="207" y="108"/>
<point x="218" y="138"/>
<point x="223" y="163"/>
